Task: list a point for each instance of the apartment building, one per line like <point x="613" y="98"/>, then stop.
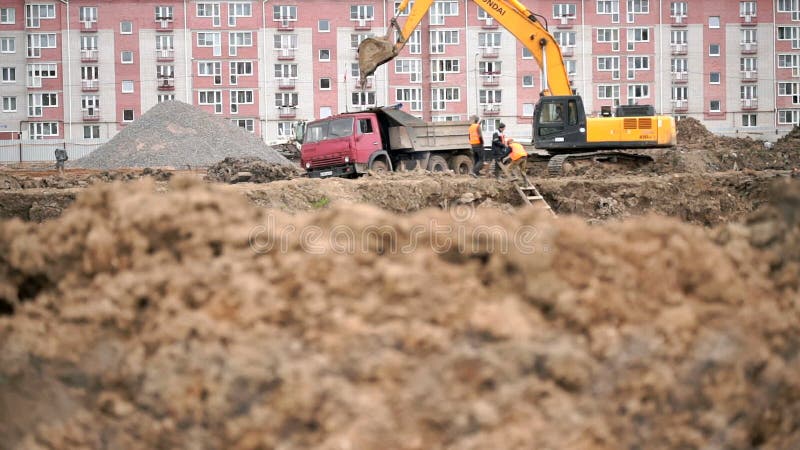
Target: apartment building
<point x="83" y="69"/>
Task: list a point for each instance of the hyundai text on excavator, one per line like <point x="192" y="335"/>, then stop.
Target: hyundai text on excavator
<point x="560" y="126"/>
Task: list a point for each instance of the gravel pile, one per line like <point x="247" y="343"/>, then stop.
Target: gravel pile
<point x="254" y="170"/>
<point x="178" y="135"/>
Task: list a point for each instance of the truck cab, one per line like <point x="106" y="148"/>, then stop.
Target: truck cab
<point x="342" y="145"/>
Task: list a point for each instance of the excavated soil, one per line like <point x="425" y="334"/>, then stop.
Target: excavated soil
<point x="189" y="318"/>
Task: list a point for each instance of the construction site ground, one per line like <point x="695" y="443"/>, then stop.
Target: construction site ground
<point x="160" y="309"/>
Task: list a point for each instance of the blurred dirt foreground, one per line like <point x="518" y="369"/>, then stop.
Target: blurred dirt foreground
<point x="144" y="319"/>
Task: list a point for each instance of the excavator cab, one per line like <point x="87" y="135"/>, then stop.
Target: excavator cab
<point x="559" y="122"/>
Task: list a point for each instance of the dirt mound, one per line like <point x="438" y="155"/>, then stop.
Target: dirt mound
<point x="692" y="131"/>
<point x="189" y="319"/>
<point x="177" y="135"/>
<point x="254" y="170"/>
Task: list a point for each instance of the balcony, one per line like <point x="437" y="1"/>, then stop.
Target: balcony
<point x="89" y="55"/>
<point x="363" y="25"/>
<point x="749" y="104"/>
<point x="749" y="20"/>
<point x="89" y="26"/>
<point x="90" y="85"/>
<point x="491" y="109"/>
<point x="91" y="114"/>
<point x="565" y="22"/>
<point x="490" y="52"/>
<point x="679" y="49"/>
<point x="165" y="24"/>
<point x="286" y="83"/>
<point x="285" y="25"/>
<point x="680" y="106"/>
<point x="567" y="52"/>
<point x="750" y="75"/>
<point x="490" y="79"/>
<point x="34" y="81"/>
<point x="678" y="21"/>
<point x="165" y="54"/>
<point x="166" y="83"/>
<point x="680" y="77"/>
<point x="287" y="112"/>
<point x="749" y="48"/>
<point x="285" y="54"/>
<point x="489" y="24"/>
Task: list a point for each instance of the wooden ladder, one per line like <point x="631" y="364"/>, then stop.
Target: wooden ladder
<point x="530" y="195"/>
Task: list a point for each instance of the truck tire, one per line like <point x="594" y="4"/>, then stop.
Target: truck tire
<point x="437" y="164"/>
<point x="379" y="165"/>
<point x="461" y="164"/>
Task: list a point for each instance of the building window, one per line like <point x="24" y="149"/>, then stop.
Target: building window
<point x="609" y="7"/>
<point x="714" y="78"/>
<point x="440" y="67"/>
<point x="35" y="13"/>
<point x="240" y="98"/>
<point x="41" y="130"/>
<point x="637" y="92"/>
<point x="527" y="81"/>
<point x="283" y="99"/>
<point x="362" y="12"/>
<point x="362" y="99"/>
<point x="91" y="131"/>
<point x="325" y="84"/>
<point x="324" y="26"/>
<point x="88" y="14"/>
<point x="127" y="115"/>
<point x="284" y="13"/>
<point x="163" y="13"/>
<point x="713" y="50"/>
<point x="788" y="116"/>
<point x="238" y="9"/>
<point x="749" y="120"/>
<point x="440" y="39"/>
<point x="8" y="16"/>
<point x="678" y="9"/>
<point x="127" y="57"/>
<point x="324" y="54"/>
<point x="286" y="129"/>
<point x="36" y="42"/>
<point x="8" y="45"/>
<point x="747" y="9"/>
<point x="411" y="67"/>
<point x="713" y="22"/>
<point x="564" y="10"/>
<point x="165" y="97"/>
<point x="127" y="86"/>
<point x="126" y="27"/>
<point x="211" y="98"/>
<point x="9" y="74"/>
<point x="609" y="36"/>
<point x="714" y="106"/>
<point x="608" y="91"/>
<point x="239" y="39"/>
<point x="245" y="124"/>
<point x="440" y="97"/>
<point x="9" y="104"/>
<point x="410" y="96"/>
<point x="526" y="53"/>
<point x="441" y="9"/>
<point x="527" y="110"/>
<point x="37" y="102"/>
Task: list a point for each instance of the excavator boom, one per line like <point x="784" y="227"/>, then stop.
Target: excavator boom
<point x="513" y="15"/>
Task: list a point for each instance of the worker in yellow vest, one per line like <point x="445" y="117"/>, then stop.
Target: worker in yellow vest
<point x="476" y="141"/>
<point x="518" y="157"/>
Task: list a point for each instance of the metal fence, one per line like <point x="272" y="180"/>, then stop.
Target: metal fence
<point x="43" y="150"/>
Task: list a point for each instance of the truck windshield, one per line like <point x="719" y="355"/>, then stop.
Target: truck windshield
<point x="329" y="129"/>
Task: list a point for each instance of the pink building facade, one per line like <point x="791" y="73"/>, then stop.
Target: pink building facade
<point x="83" y="69"/>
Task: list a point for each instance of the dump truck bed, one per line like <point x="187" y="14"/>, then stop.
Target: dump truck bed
<point x="408" y="133"/>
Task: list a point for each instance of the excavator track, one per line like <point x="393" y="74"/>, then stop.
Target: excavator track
<point x="555" y="165"/>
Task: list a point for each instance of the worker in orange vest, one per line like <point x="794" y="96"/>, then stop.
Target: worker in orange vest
<point x="518" y="157"/>
<point x="476" y="141"/>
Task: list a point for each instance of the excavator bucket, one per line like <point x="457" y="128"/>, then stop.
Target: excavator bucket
<point x="372" y="52"/>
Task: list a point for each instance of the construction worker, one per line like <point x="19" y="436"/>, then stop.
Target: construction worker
<point x="518" y="157"/>
<point x="476" y="141"/>
<point x="499" y="148"/>
<point x="61" y="158"/>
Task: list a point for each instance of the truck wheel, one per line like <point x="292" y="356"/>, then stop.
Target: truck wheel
<point x="461" y="164"/>
<point x="379" y="165"/>
<point x="437" y="164"/>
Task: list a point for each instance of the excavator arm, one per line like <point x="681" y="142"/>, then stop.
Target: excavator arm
<point x="511" y="14"/>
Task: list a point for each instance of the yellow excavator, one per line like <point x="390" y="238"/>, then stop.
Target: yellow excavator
<point x="560" y="126"/>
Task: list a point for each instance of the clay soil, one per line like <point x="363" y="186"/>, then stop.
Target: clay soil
<point x="159" y="309"/>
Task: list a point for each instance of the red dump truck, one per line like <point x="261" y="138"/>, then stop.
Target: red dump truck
<point x="382" y="139"/>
